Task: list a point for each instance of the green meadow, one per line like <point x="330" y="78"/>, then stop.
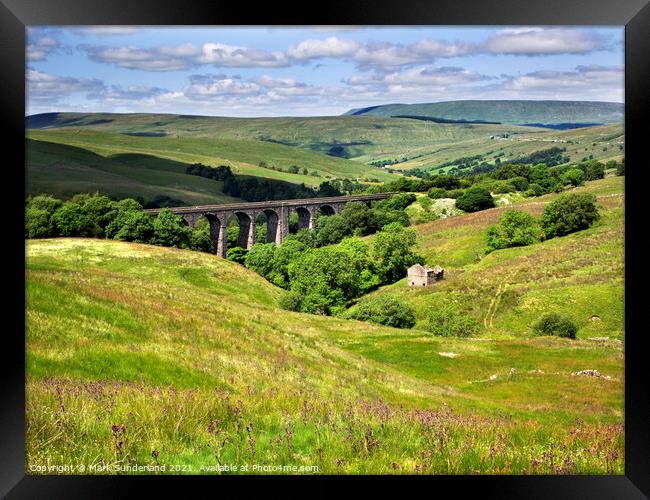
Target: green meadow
<point x="144" y="355"/>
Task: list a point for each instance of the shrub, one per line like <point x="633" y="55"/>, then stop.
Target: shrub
<point x="535" y="190"/>
<point x="448" y="320"/>
<point x="385" y="310"/>
<point x="555" y="324"/>
<point x="515" y="229"/>
<point x="569" y="213"/>
<point x="475" y="199"/>
<point x="291" y="301"/>
<point x="455" y="193"/>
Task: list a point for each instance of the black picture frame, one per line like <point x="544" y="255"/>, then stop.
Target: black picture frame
<point x="15" y="15"/>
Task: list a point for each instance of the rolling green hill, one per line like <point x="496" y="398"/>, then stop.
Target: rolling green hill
<point x="507" y="112"/>
<point x="62" y="170"/>
<point x="324" y="144"/>
<point x="362" y="138"/>
<point x="133" y="349"/>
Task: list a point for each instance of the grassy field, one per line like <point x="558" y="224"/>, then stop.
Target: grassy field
<point x="147" y="355"/>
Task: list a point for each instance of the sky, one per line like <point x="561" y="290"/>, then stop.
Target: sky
<point x="313" y="71"/>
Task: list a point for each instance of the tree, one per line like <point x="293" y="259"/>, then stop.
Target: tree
<point x="392" y="251"/>
<point x="124" y="208"/>
<point x="620" y="170"/>
<point x="324" y="280"/>
<point x="385" y="310"/>
<point x="520" y="183"/>
<point x="359" y="218"/>
<point x="101" y="209"/>
<point x="135" y="226"/>
<point x="446" y="182"/>
<point x="331" y="229"/>
<point x="260" y="258"/>
<point x="286" y="253"/>
<point x="569" y="213"/>
<point x="236" y="254"/>
<point x="200" y="237"/>
<point x="360" y="253"/>
<point x="396" y="202"/>
<point x="38" y="223"/>
<point x="70" y="219"/>
<point x="38" y="216"/>
<point x="515" y="229"/>
<point x="595" y="170"/>
<point x="475" y="199"/>
<point x="170" y="231"/>
<point x="573" y="176"/>
<point x="535" y="190"/>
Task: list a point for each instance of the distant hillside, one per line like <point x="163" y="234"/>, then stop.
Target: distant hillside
<point x="506" y="112"/>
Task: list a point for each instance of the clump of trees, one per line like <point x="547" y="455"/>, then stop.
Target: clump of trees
<point x="326" y="279"/>
<point x="555" y="324"/>
<point x="384" y="310"/>
<point x="97" y="216"/>
<point x="515" y="229"/>
<point x="566" y="214"/>
<point x="475" y="199"/>
<point x="569" y="213"/>
<point x="251" y="188"/>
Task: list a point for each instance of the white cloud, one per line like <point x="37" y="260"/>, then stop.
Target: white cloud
<point x="219" y="54"/>
<point x="543" y="41"/>
<point x="329" y="47"/>
<point x="106" y="30"/>
<point x="156" y="59"/>
<point x="48" y="87"/>
<point x="597" y="83"/>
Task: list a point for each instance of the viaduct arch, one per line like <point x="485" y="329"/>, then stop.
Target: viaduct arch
<point x="277" y="216"/>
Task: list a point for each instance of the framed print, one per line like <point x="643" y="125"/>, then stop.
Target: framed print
<point x="389" y="242"/>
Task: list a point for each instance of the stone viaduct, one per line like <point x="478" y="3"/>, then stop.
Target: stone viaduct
<point x="277" y="216"/>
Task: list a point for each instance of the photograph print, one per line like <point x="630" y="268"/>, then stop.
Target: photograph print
<point x="320" y="250"/>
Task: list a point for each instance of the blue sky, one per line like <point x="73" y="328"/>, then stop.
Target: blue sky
<point x="313" y="71"/>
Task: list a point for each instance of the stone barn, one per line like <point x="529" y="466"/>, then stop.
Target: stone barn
<point x="423" y="275"/>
